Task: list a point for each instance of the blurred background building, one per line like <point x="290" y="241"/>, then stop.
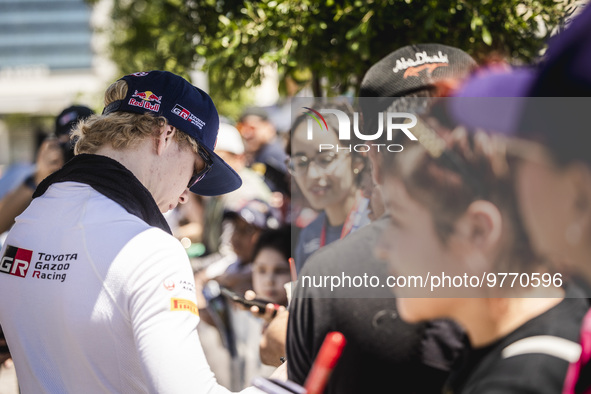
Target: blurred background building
<point x="51" y="55"/>
<point x="54" y="53"/>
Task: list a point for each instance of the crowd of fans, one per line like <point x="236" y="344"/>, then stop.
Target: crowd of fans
<point x="459" y="201"/>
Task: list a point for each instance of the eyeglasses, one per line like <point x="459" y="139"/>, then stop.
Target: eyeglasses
<point x="199" y="175"/>
<point x="298" y="165"/>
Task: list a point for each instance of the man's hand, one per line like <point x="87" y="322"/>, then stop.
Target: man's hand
<point x="272" y="345"/>
<point x="280" y="373"/>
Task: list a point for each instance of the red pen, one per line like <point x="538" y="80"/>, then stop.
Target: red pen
<point x="327" y="358"/>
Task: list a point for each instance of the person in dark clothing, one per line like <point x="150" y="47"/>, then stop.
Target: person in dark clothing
<point x="381" y="348"/>
<point x="455" y="212"/>
<point x="502" y="367"/>
<point x="549" y="141"/>
<point x="264" y="150"/>
<point x="383" y="353"/>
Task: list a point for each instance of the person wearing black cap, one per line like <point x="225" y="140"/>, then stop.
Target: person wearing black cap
<point x="383" y="353"/>
<point x="248" y="221"/>
<point x="102" y="296"/>
<point x="53" y="153"/>
<point x="234" y="272"/>
<point x="264" y="150"/>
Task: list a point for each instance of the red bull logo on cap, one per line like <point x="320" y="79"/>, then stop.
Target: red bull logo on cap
<point x="148" y="100"/>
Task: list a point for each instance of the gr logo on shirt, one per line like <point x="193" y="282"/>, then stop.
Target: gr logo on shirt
<point x="16" y="261"/>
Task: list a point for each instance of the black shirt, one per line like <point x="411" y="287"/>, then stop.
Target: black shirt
<point x="383" y="353"/>
<point x="486" y="371"/>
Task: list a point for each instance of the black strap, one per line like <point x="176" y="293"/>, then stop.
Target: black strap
<point x="112" y="107"/>
<point x="113" y="180"/>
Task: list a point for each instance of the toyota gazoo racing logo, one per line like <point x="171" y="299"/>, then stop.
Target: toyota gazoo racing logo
<point x="16" y="261"/>
<point x="188" y="116"/>
<point x="401" y="121"/>
<point x="148" y="100"/>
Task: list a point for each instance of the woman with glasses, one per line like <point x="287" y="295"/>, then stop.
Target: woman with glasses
<point x="328" y="179"/>
<point x="453" y="218"/>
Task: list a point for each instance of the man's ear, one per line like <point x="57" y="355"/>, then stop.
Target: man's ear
<point x="481" y="225"/>
<point x="165" y="138"/>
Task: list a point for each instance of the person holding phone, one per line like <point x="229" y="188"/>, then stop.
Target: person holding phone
<point x="53" y="153"/>
<point x="234" y="323"/>
<point x="270" y="273"/>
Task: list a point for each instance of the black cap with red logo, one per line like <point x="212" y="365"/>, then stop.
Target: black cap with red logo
<point x="413" y="68"/>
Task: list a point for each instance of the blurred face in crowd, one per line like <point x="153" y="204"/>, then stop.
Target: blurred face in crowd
<point x="269" y="274"/>
<point x="243" y="239"/>
<point x="412" y="247"/>
<point x="255" y="132"/>
<point x="555" y="205"/>
<point x="237" y="162"/>
<point x="373" y="193"/>
<point x="325" y="178"/>
<point x="426" y="237"/>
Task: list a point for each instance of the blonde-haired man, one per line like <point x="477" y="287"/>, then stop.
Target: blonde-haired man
<point x="99" y="295"/>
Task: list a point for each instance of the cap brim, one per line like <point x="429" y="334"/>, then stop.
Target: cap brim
<point x="221" y="179"/>
<point x="492" y="101"/>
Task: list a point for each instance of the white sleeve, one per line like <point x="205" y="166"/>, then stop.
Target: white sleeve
<point x="164" y="317"/>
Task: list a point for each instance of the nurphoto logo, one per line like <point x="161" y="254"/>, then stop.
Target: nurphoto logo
<point x="395" y="121"/>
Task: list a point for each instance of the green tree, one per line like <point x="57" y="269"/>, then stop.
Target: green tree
<point x="329" y="44"/>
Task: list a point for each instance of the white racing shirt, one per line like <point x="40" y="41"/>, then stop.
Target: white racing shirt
<point x="94" y="300"/>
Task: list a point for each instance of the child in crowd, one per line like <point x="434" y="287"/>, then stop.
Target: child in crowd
<point x="270" y="271"/>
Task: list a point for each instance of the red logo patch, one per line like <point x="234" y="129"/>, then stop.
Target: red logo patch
<point x="148" y="100"/>
<point x="16" y="261"/>
<point x="169" y="284"/>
